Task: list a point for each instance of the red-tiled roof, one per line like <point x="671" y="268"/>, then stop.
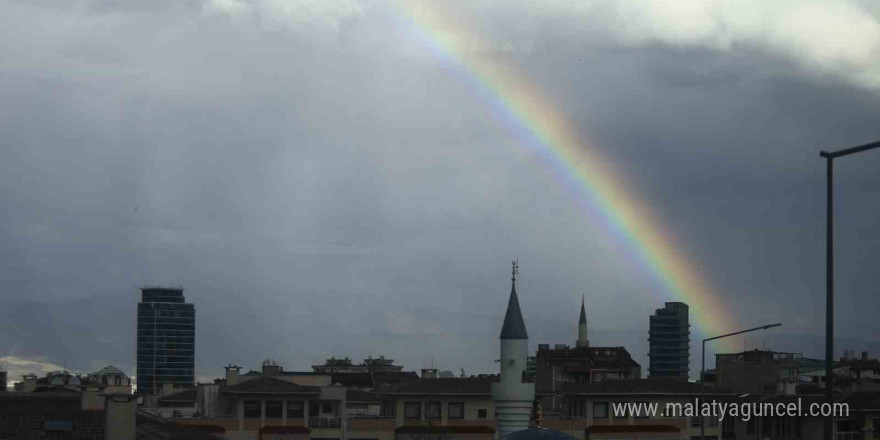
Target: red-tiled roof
<point x="639" y="386"/>
<point x="596" y="429"/>
<point x="290" y="429"/>
<point x="370" y="380"/>
<point x="269" y="385"/>
<point x="444" y="385"/>
<point x="444" y="430"/>
<point x="205" y="428"/>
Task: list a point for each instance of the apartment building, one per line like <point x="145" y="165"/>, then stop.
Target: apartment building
<point x="763" y="371"/>
<point x="562" y="365"/>
<point x="598" y="410"/>
<point x="383" y="405"/>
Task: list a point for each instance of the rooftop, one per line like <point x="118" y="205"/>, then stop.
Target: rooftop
<point x="639" y="386"/>
<point x="538" y="434"/>
<point x="269" y="385"/>
<point x="188" y="396"/>
<point x="481" y="385"/>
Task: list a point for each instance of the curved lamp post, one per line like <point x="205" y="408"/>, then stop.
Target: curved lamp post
<point x="703" y="370"/>
<point x="829" y="278"/>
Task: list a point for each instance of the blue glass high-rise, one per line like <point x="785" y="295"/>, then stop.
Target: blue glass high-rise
<point x="166" y="336"/>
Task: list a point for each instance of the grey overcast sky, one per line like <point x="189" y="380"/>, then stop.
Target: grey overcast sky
<point x="325" y="181"/>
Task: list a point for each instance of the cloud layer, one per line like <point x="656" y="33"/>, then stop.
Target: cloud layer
<point x="324" y="182"/>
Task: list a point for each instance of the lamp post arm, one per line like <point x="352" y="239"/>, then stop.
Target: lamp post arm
<point x="848" y="151"/>
<point x="763" y="327"/>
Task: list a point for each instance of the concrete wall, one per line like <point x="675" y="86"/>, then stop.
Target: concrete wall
<point x="747" y="377"/>
<point x="121" y="417"/>
<point x="91" y="399"/>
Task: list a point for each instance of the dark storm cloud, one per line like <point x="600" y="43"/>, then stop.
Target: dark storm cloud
<point x="325" y="184"/>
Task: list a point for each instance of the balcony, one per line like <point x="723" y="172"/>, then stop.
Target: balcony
<point x="325" y="422"/>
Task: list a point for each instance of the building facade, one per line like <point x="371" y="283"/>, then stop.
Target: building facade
<point x="166" y="331"/>
<point x="669" y="339"/>
<point x="277" y="404"/>
<point x="764" y="371"/>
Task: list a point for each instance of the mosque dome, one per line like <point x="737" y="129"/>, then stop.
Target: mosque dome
<point x="538" y="434"/>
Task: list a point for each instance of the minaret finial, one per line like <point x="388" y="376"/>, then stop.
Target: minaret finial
<point x="515" y="269"/>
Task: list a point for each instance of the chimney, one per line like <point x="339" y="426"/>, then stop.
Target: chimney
<point x="91" y="398"/>
<point x="864" y="355"/>
<point x="232" y="374"/>
<point x="30" y="382"/>
<point x="429" y="373"/>
<point x="270" y="368"/>
<point x="120" y="413"/>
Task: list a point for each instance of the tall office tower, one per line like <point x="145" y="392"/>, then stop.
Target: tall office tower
<point x="669" y="338"/>
<point x="166" y="335"/>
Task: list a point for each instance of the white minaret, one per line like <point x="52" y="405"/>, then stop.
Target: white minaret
<point x="513" y="396"/>
<point x="582" y="340"/>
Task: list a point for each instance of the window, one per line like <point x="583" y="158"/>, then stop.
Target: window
<point x="600" y="410"/>
<point x="388" y="409"/>
<point x="295" y="409"/>
<point x="412" y="410"/>
<point x="750" y="426"/>
<point x="273" y="409"/>
<point x="619" y="410"/>
<point x="326" y="408"/>
<point x="875" y="424"/>
<point x="252" y="409"/>
<point x="432" y="410"/>
<point x="455" y="410"/>
<point x="481" y="413"/>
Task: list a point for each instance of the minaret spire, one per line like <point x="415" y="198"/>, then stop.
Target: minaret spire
<point x="514" y="327"/>
<point x="582" y="340"/>
<point x="583" y="318"/>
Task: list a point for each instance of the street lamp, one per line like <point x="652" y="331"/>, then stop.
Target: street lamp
<point x="829" y="279"/>
<point x="703" y="371"/>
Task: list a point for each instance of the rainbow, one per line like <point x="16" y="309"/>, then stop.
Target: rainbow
<point x="522" y="104"/>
